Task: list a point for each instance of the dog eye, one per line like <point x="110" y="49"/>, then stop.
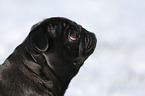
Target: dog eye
<point x="73" y="36"/>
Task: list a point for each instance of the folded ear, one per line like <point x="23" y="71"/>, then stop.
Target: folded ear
<point x="38" y="39"/>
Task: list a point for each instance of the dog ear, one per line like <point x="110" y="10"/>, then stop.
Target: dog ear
<point x="38" y="39"/>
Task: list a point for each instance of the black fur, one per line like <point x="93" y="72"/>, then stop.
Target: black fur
<point x="47" y="60"/>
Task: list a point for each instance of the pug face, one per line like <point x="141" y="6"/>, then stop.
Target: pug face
<point x="60" y="44"/>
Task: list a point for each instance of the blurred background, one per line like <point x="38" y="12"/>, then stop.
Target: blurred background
<point x="117" y="67"/>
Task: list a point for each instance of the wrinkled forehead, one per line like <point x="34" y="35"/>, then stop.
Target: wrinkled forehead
<point x="66" y="23"/>
<point x="58" y="19"/>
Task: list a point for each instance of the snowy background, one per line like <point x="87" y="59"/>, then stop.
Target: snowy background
<point x="117" y="67"/>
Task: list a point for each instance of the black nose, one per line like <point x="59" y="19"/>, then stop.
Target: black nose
<point x="90" y="41"/>
<point x="94" y="38"/>
<point x="91" y="35"/>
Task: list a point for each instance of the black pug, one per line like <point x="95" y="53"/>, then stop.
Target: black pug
<point x="47" y="60"/>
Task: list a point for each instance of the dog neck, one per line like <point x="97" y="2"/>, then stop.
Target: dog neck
<point x="45" y="76"/>
<point x="40" y="75"/>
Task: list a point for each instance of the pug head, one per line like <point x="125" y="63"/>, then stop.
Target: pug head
<point x="60" y="44"/>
